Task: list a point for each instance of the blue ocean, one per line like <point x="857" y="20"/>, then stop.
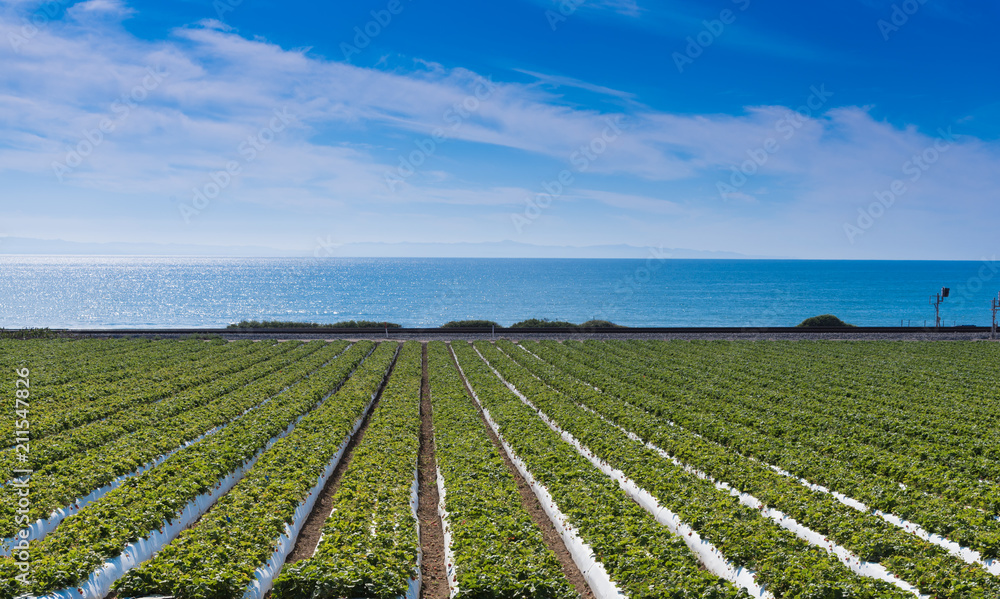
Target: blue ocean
<point x="154" y="292"/>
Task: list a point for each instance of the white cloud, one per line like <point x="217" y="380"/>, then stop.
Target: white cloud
<point x="220" y="88"/>
<point x="560" y="81"/>
<point x="627" y="8"/>
<point x="105" y="6"/>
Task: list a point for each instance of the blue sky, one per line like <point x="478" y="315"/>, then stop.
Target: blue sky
<point x="858" y="129"/>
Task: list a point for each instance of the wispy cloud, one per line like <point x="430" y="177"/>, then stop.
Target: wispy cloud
<point x="116" y="7"/>
<point x="562" y="81"/>
<point x="627" y="8"/>
<point x="349" y="123"/>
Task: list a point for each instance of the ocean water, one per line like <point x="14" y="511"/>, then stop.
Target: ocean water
<point x="153" y="292"/>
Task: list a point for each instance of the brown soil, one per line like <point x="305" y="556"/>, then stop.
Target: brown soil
<point x="538" y="515"/>
<point x="308" y="539"/>
<point x="435" y="576"/>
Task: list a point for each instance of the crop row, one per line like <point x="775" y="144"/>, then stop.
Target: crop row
<point x="785" y="564"/>
<point x="930" y="382"/>
<point x="926" y="566"/>
<point x="54" y="404"/>
<point x="723" y="417"/>
<point x="498" y="551"/>
<point x="369" y="542"/>
<point x="906" y="419"/>
<point x="897" y="405"/>
<point x="228" y="552"/>
<point x="151" y="410"/>
<point x="146" y="503"/>
<point x="641" y="557"/>
<point x="99" y="371"/>
<point x="888" y="442"/>
<point x="143" y="365"/>
<point x="56" y="361"/>
<point x="49" y="450"/>
<point x="61" y="483"/>
<point x="93" y="403"/>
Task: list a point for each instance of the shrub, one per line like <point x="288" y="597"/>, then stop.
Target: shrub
<point x="271" y="324"/>
<point x="601" y="324"/>
<point x="532" y="323"/>
<point x="347" y="324"/>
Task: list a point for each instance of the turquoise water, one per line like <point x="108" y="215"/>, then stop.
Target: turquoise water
<point x="82" y="292"/>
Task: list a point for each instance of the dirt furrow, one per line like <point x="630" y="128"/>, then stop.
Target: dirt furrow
<point x="435" y="576"/>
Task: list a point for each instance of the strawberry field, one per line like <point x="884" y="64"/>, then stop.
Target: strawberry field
<point x="539" y="469"/>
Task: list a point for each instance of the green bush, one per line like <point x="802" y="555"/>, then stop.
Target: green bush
<point x="533" y="323"/>
<point x="601" y="324"/>
<point x="271" y="324"/>
<point x="347" y="324"/>
<point x="824" y="320"/>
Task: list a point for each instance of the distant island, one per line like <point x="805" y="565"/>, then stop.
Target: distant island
<point x="15" y="246"/>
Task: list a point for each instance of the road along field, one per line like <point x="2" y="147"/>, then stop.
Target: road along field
<point x="539" y="469"/>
